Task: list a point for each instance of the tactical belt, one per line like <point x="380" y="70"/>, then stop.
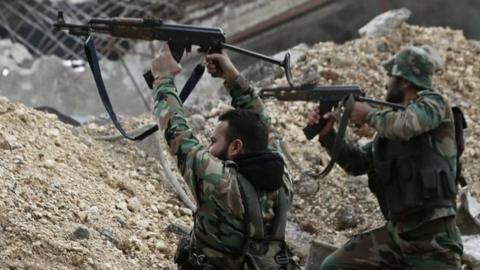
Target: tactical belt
<point x="92" y="58"/>
<point x="430" y="228"/>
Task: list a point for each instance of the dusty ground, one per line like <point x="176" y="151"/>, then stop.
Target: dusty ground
<point x="70" y="202"/>
<point x="67" y="201"/>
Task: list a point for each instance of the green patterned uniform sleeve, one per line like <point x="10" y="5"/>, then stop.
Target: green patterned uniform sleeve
<point x="421" y="116"/>
<point x="244" y="97"/>
<point x="213" y="184"/>
<point x="354" y="159"/>
<point x="194" y="161"/>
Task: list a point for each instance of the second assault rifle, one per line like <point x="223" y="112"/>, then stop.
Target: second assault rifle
<point x="328" y="96"/>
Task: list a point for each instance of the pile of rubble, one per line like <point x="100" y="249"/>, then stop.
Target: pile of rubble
<point x="67" y="201"/>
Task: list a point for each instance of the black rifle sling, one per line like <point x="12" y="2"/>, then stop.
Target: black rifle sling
<point x="348" y="103"/>
<point x="92" y="58"/>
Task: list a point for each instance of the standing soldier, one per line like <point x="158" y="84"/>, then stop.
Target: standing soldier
<point x="411" y="166"/>
<point x="241" y="187"/>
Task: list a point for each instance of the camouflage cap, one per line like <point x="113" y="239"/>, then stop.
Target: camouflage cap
<point x="414" y="64"/>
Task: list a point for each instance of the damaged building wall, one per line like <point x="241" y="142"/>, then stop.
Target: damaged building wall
<point x="50" y="83"/>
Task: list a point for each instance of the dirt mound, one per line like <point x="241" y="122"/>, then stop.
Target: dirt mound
<point x="67" y="201"/>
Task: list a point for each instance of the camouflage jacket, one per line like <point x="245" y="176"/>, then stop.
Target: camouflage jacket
<point x="429" y="113"/>
<point x="220" y="216"/>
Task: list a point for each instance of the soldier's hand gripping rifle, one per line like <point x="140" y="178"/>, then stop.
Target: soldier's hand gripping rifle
<point x="329" y="97"/>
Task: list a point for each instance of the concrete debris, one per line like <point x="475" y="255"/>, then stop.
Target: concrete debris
<point x="53" y="182"/>
<point x="471" y="256"/>
<point x="81" y="233"/>
<point x="134" y="205"/>
<point x="298" y="240"/>
<point x="385" y="23"/>
<point x="4" y="144"/>
<point x="14" y="53"/>
<point x="346" y="218"/>
<point x="468" y="219"/>
<point x="162" y="247"/>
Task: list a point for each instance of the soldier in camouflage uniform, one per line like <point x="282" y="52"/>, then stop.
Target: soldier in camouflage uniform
<point x="236" y="175"/>
<point x="411" y="167"/>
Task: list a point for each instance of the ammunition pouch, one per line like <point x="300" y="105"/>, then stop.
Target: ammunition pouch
<point x="409" y="177"/>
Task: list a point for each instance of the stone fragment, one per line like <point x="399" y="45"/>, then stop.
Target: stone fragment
<point x="122" y="205"/>
<point x="385" y="23"/>
<point x="134" y="205"/>
<point x="4" y="144"/>
<point x="81" y="233"/>
<point x="161" y="246"/>
<point x="49" y="163"/>
<point x="346" y="218"/>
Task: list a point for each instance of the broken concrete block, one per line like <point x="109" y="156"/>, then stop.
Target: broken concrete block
<point x="385" y="23"/>
<point x="298" y="241"/>
<point x="471" y="252"/>
<point x="468" y="215"/>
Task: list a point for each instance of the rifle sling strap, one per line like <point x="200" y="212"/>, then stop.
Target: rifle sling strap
<point x="348" y="103"/>
<point x="92" y="58"/>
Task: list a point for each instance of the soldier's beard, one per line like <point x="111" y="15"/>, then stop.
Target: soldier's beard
<point x="395" y="95"/>
<point x="223" y="155"/>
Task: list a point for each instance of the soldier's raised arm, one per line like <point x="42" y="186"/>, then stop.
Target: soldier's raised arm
<point x="244" y="97"/>
<point x="193" y="160"/>
<point x="242" y="93"/>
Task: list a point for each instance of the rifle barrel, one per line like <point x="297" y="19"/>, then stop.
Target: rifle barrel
<point x="314" y="92"/>
<point x="254" y="54"/>
<point x="381" y="103"/>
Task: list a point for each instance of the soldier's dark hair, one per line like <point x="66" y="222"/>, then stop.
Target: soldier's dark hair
<point x="247" y="126"/>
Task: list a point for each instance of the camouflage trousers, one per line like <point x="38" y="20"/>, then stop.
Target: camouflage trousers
<point x="385" y="248"/>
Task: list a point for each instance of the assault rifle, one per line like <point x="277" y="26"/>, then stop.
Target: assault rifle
<point x="180" y="37"/>
<point x="328" y="96"/>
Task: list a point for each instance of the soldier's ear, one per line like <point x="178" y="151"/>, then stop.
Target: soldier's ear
<point x="236" y="147"/>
